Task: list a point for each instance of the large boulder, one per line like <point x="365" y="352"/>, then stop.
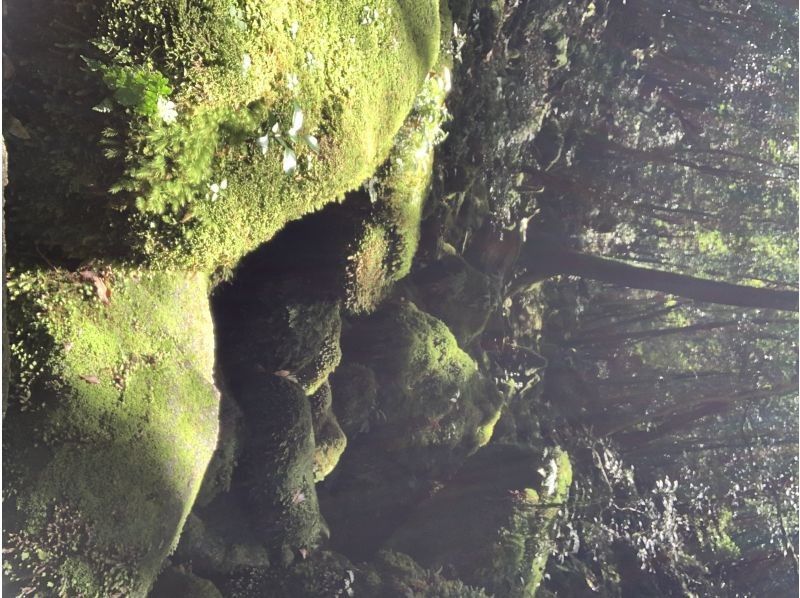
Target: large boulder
<point x="111" y="423"/>
<point x="276" y="470"/>
<point x="432" y="400"/>
<point x="430" y="409"/>
<point x="148" y="133"/>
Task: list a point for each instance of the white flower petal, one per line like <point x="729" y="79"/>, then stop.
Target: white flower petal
<point x="214" y="188"/>
<point x="247" y="62"/>
<point x="289" y="161"/>
<point x="297" y="120"/>
<point x="166" y="110"/>
<point x="223" y="184"/>
<point x="263" y="143"/>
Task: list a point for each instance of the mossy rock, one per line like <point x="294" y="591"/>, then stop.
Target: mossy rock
<point x="112" y="420"/>
<point x="331" y="574"/>
<point x="325" y="574"/>
<point x="434" y="404"/>
<point x="367" y="497"/>
<point x="511" y="496"/>
<point x="456" y="293"/>
<point x="276" y="470"/>
<point x="151" y="150"/>
<point x="221" y="541"/>
<point x="176" y="582"/>
<point x="433" y="408"/>
<point x="279" y="326"/>
<point x="354" y="390"/>
<point x="397" y="574"/>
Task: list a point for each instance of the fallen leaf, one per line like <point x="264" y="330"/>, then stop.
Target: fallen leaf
<point x="298" y="497"/>
<point x="286" y="374"/>
<point x="102" y="290"/>
<point x="303" y="553"/>
<point x="91" y="379"/>
<point x="17" y="129"/>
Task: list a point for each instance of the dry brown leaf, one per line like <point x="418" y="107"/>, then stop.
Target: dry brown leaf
<point x="91" y="379"/>
<point x="102" y="290"/>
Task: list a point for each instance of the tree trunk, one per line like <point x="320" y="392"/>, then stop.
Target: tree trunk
<point x="545" y="257"/>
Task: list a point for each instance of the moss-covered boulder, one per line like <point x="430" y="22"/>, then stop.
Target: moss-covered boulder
<point x="188" y="134"/>
<point x="432" y="400"/>
<point x="510" y="495"/>
<point x="331" y="574"/>
<point x="432" y="408"/>
<point x="278" y="326"/>
<point x="220" y="539"/>
<point x="111" y="423"/>
<point x="276" y="470"/>
<point x="456" y="293"/>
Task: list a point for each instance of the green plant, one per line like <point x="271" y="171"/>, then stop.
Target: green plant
<point x="289" y="140"/>
<point x="138" y="87"/>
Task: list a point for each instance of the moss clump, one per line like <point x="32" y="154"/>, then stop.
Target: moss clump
<point x="518" y="492"/>
<point x="385" y="248"/>
<point x="168" y="168"/>
<point x="110" y="427"/>
<point x="432" y="398"/>
<point x="329" y="439"/>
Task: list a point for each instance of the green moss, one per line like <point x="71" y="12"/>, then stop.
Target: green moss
<point x="506" y="548"/>
<point x="112" y="423"/>
<point x="329" y="439"/>
<point x="432" y="396"/>
<point x="385" y="249"/>
<point x="236" y="70"/>
<point x="277" y="466"/>
<point x="486" y="429"/>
